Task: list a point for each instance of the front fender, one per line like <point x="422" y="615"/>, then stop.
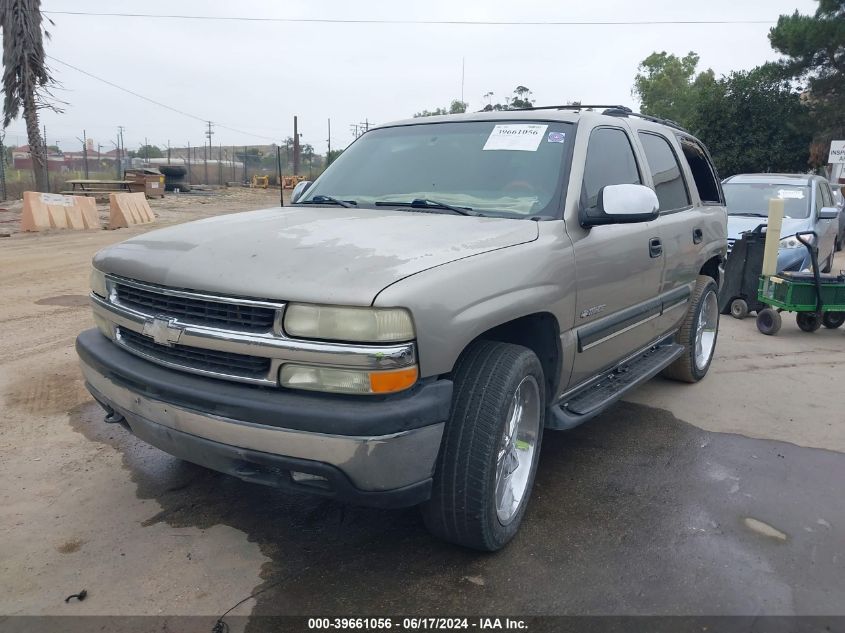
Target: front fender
<point x="455" y="303"/>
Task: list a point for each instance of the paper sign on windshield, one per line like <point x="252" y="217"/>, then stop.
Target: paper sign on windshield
<point x="520" y="138"/>
<point x="795" y="194"/>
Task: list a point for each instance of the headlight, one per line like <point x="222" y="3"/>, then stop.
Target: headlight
<point x="347" y="380"/>
<point x="98" y="283"/>
<point x="791" y="242"/>
<point x="362" y="325"/>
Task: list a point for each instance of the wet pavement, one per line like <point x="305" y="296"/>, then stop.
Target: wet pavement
<point x="636" y="512"/>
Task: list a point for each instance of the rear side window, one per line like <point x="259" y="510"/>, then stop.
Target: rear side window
<point x="665" y="172"/>
<point x="703" y="172"/>
<point x="610" y="161"/>
<point x="827" y="196"/>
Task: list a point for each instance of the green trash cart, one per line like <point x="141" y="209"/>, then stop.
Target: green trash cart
<point x="817" y="299"/>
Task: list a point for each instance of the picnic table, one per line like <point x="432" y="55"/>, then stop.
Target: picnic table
<point x="96" y="187"/>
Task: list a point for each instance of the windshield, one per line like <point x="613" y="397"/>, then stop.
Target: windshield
<point x="496" y="168"/>
<point x="753" y="199"/>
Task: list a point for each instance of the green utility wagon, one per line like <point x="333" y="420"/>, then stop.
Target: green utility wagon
<point x="817" y="299"/>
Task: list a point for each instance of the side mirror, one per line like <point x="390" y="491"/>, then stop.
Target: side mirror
<point x="622" y="204"/>
<point x="829" y="213"/>
<point x="299" y="189"/>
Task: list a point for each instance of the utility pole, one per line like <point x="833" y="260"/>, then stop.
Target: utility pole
<point x="279" y="170"/>
<point x="329" y="141"/>
<point x="168" y="151"/>
<point x="189" y="162"/>
<point x="463" y="74"/>
<point x="146" y="150"/>
<point x="245" y="170"/>
<point x="234" y="175"/>
<point x="99" y="164"/>
<point x="46" y="158"/>
<point x="220" y="164"/>
<point x="84" y="141"/>
<point x="295" y="148"/>
<point x="120" y="152"/>
<point x="207" y="149"/>
<point x="2" y="166"/>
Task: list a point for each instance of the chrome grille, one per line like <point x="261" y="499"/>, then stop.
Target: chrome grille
<point x="203" y="360"/>
<point x="232" y="316"/>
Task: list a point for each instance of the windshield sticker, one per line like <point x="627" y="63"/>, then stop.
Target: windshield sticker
<point x="520" y="138"/>
<point x="791" y="194"/>
<point x="556" y="137"/>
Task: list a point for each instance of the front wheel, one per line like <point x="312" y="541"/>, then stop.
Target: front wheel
<point x="698" y="333"/>
<point x="490" y="447"/>
<point x="768" y="321"/>
<point x="739" y="308"/>
<point x="808" y="321"/>
<point x="833" y="320"/>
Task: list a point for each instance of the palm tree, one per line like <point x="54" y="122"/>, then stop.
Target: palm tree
<point x="25" y="76"/>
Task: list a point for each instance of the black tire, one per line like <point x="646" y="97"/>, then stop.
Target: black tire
<point x="833" y="320"/>
<point x="829" y="266"/>
<point x="808" y="321"/>
<point x="685" y="368"/>
<point x="462" y="507"/>
<point x="739" y="308"/>
<point x="769" y="321"/>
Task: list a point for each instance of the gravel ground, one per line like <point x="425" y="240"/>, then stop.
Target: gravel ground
<point x="721" y="497"/>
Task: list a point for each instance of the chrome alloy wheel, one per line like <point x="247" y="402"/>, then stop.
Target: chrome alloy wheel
<point x="516" y="449"/>
<point x="705" y="330"/>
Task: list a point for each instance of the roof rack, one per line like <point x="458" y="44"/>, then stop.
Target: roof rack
<point x="612" y="110"/>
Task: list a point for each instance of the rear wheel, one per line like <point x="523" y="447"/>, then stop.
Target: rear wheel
<point x="808" y="321"/>
<point x="739" y="308"/>
<point x="833" y="320"/>
<point x="698" y="333"/>
<point x="490" y="447"/>
<point x="768" y="321"/>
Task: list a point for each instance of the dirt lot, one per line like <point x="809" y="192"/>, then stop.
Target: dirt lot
<point x="722" y="497"/>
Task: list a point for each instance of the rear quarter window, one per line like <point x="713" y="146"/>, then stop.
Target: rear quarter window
<point x="703" y="172"/>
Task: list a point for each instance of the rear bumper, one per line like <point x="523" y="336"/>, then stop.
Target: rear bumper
<point x="271" y="436"/>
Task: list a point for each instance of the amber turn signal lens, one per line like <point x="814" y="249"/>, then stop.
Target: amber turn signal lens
<point x="394" y="380"/>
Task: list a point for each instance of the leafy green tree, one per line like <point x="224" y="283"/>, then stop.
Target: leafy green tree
<point x="753" y="121"/>
<point x="149" y="151"/>
<point x="332" y="156"/>
<point x="456" y="107"/>
<point x="814" y="46"/>
<point x="522" y="98"/>
<point x="668" y="86"/>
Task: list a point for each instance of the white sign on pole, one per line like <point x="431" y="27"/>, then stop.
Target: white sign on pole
<point x="837" y="152"/>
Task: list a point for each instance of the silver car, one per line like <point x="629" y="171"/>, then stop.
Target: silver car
<point x="808" y="206"/>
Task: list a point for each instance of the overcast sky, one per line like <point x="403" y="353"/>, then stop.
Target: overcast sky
<point x="254" y="76"/>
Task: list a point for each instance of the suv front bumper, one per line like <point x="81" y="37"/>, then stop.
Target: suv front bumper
<point x="371" y="451"/>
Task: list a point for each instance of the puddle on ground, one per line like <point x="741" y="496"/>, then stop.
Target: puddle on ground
<point x="57" y="389"/>
<point x="633" y="512"/>
<point x="67" y="301"/>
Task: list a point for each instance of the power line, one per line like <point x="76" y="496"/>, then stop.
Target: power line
<point x="238" y="18"/>
<point x="158" y="103"/>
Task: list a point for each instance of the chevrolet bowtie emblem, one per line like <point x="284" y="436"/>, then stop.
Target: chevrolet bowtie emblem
<point x="163" y="331"/>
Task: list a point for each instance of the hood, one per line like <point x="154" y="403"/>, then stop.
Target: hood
<point x="739" y="224"/>
<point x="326" y="255"/>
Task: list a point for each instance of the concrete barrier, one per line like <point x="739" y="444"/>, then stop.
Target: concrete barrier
<point x="128" y="209"/>
<point x="42" y="211"/>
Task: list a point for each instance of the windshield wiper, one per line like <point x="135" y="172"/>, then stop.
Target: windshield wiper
<point x="321" y="199"/>
<point x="426" y="203"/>
<point x="749" y="214"/>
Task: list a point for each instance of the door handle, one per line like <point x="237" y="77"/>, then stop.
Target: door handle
<point x="655" y="247"/>
<point x="697" y="236"/>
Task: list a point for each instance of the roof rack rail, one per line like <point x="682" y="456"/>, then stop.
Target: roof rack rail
<point x="610" y="110"/>
<point x="576" y="106"/>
